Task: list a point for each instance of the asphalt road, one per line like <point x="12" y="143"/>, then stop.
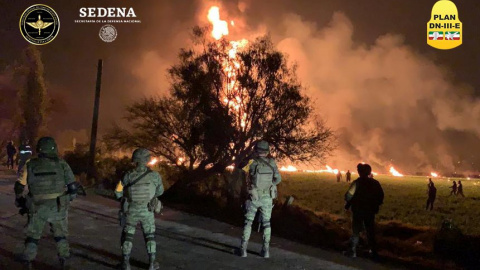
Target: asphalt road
<point x="184" y="241"/>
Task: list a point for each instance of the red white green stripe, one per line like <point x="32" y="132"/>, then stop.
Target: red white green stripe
<point x="435" y="35"/>
<point x="452" y="35"/>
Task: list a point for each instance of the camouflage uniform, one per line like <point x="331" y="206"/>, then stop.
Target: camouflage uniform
<point x="263" y="178"/>
<point x="47" y="201"/>
<point x="137" y="197"/>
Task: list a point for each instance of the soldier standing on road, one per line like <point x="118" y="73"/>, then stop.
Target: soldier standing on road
<point x="454" y="189"/>
<point x="460" y="189"/>
<point x="263" y="178"/>
<point x="139" y="191"/>
<point x="25" y="153"/>
<point x="51" y="186"/>
<point x="364" y="197"/>
<point x="348" y="176"/>
<point x="432" y="194"/>
<point x="11" y="151"/>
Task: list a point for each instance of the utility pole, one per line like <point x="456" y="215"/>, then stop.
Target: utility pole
<point x="93" y="135"/>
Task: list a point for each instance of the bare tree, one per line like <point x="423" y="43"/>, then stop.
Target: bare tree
<point x="226" y="96"/>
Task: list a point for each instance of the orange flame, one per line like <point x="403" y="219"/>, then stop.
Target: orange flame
<point x="153" y="161"/>
<point x="395" y="172"/>
<point x="220" y="27"/>
<point x="434" y="174"/>
<point x="289" y="168"/>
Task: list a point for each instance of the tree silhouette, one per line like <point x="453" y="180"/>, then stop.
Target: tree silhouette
<point x="221" y="103"/>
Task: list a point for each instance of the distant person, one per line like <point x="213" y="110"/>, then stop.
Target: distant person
<point x="11" y="151"/>
<point x="25" y="153"/>
<point x="454" y="189"/>
<point x="460" y="189"/>
<point x="432" y="194"/>
<point x="364" y="197"/>
<point x="348" y="176"/>
<point x="339" y="176"/>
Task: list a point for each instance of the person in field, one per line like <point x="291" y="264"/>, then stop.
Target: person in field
<point x="454" y="189"/>
<point x="348" y="176"/>
<point x="339" y="176"/>
<point x="460" y="189"/>
<point x="364" y="198"/>
<point x="432" y="194"/>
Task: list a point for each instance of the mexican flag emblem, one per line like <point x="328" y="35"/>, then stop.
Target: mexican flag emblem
<point x="435" y="35"/>
<point x="452" y="35"/>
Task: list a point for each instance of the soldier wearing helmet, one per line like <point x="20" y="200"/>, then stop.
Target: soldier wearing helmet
<point x="138" y="191"/>
<point x="263" y="177"/>
<point x="48" y="177"/>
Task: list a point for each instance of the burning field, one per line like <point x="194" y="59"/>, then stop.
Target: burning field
<point x="405" y="199"/>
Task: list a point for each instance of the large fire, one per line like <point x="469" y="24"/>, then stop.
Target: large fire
<point x="395" y="172"/>
<point x="434" y="174"/>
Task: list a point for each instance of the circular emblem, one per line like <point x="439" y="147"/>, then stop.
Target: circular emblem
<point x="108" y="33"/>
<point x="39" y="24"/>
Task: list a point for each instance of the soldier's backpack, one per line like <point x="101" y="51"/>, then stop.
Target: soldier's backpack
<point x="262" y="178"/>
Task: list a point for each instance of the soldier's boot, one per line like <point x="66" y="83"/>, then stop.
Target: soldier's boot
<point x="267" y="232"/>
<point x="153" y="264"/>
<point x="126" y="262"/>
<point x="63" y="263"/>
<point x="265" y="250"/>
<point x="243" y="249"/>
<point x="352" y="251"/>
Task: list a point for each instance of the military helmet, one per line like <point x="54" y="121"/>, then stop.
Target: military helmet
<point x="262" y="146"/>
<point x="141" y="155"/>
<point x="47" y="145"/>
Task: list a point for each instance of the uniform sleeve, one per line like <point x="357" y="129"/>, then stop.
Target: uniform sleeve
<point x="159" y="184"/>
<point x="349" y="194"/>
<point x="120" y="185"/>
<point x="21" y="182"/>
<point x="246" y="168"/>
<point x="381" y="195"/>
<point x="68" y="173"/>
<point x="277" y="178"/>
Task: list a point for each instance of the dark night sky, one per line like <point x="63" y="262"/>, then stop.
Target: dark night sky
<point x="70" y="60"/>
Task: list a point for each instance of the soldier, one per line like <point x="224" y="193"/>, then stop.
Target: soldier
<point x="25" y="154"/>
<point x="138" y="191"/>
<point x="460" y="189"/>
<point x="364" y="197"/>
<point x="432" y="194"/>
<point x="11" y="151"/>
<point x="454" y="189"/>
<point x="348" y="176"/>
<point x="51" y="186"/>
<point x="262" y="180"/>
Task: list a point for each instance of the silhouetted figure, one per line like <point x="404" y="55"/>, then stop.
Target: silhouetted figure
<point x="460" y="189"/>
<point x="364" y="197"/>
<point x="11" y="151"/>
<point x="454" y="189"/>
<point x="432" y="194"/>
<point x="348" y="176"/>
<point x="339" y="176"/>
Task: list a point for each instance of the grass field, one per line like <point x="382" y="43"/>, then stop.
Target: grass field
<point x="405" y="199"/>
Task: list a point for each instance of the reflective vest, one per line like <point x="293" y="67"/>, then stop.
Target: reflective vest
<point x="45" y="179"/>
